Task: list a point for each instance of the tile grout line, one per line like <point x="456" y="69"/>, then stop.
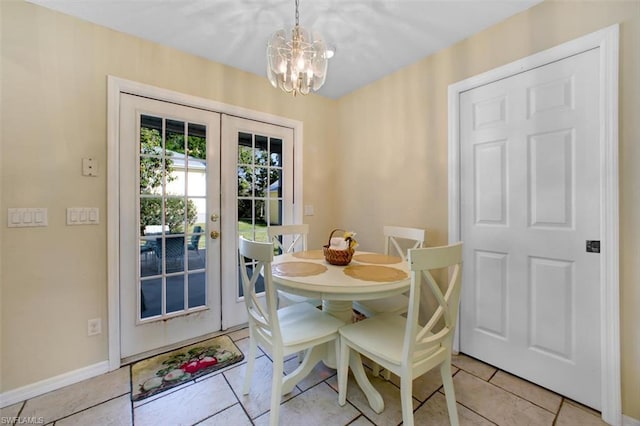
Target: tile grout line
<point x="473" y="411"/>
<point x="133" y="409"/>
<point x="24" y="404"/>
<point x="219" y="412"/>
<point x="91" y="407"/>
<point x="528" y="400"/>
<point x="335" y="391"/>
<point x="238" y="399"/>
<point x="557" y="415"/>
<point x="360" y="413"/>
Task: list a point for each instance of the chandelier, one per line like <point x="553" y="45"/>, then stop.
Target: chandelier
<point x="297" y="59"/>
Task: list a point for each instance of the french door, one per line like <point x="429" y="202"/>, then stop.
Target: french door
<point x="190" y="182"/>
<point x="257" y="191"/>
<point x="169" y="192"/>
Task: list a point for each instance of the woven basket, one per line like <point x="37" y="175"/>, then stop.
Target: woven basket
<point x="337" y="257"/>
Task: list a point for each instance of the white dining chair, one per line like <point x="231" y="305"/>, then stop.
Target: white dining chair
<point x="288" y="239"/>
<point x="283" y="331"/>
<point x="397" y="240"/>
<point x="400" y="344"/>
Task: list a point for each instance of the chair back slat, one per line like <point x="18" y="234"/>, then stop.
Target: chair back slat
<point x="255" y="265"/>
<point x="395" y="235"/>
<point x="422" y="262"/>
<point x="438" y="313"/>
<point x="288" y="238"/>
<point x="255" y="309"/>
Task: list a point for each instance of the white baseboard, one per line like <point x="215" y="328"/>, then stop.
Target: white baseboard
<point x="629" y="421"/>
<point x="34" y="389"/>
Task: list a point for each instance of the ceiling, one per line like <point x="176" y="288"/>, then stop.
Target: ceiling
<point x="372" y="38"/>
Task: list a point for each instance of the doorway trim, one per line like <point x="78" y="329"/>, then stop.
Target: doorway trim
<point x="116" y="86"/>
<point x="607" y="41"/>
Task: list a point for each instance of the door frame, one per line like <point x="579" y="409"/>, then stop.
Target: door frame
<point x="607" y="41"/>
<point x="116" y="86"/>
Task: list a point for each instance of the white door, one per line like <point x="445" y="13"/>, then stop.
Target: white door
<point x="257" y="191"/>
<point x="169" y="195"/>
<point x="530" y="202"/>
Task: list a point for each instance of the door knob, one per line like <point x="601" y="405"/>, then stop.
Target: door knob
<point x="214" y="235"/>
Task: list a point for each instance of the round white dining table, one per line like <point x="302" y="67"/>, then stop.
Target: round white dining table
<point x="368" y="276"/>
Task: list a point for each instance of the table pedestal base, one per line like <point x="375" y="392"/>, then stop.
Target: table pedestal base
<point x="341" y="309"/>
<point x="312" y="357"/>
<point x="320" y="353"/>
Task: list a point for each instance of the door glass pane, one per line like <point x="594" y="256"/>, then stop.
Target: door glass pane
<point x="197" y="290"/>
<point x="197" y="141"/>
<point x="175" y="137"/>
<point x="259" y="213"/>
<point x="172" y="216"/>
<point x="151" y="298"/>
<point x="196" y="238"/>
<point x="150" y="135"/>
<point x="245" y="217"/>
<point x="175" y="293"/>
<point x="245" y="180"/>
<point x="275" y="211"/>
<point x="275" y="197"/>
<point x="175" y="160"/>
<point x="261" y="150"/>
<point x="276" y="152"/>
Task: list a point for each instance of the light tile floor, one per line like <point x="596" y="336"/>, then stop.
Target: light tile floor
<point x="485" y="395"/>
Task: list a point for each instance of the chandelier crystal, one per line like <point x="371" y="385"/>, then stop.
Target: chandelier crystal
<point x="297" y="59"/>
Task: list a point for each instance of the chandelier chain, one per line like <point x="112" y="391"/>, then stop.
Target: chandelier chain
<point x="297" y="14"/>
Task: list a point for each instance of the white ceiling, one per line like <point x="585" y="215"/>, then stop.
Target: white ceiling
<point x="372" y="38"/>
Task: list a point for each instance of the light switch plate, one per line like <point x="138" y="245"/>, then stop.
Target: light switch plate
<point x="308" y="210"/>
<point x="27" y="217"/>
<point x="82" y="216"/>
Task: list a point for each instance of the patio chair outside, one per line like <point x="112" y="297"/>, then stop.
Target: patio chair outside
<point x="174" y="256"/>
<point x="195" y="239"/>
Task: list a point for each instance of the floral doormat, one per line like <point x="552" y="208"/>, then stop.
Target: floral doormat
<point x="161" y="372"/>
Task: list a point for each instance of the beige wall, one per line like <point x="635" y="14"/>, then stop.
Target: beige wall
<point x="365" y="155"/>
<point x="393" y="141"/>
<point x="54" y="109"/>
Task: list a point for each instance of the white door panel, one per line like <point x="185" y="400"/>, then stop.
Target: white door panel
<point x="169" y="271"/>
<point x="530" y="170"/>
<point x="269" y="148"/>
